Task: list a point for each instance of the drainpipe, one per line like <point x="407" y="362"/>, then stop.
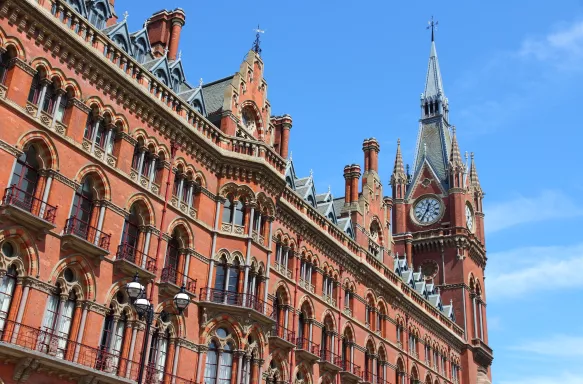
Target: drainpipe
<point x="292" y="360"/>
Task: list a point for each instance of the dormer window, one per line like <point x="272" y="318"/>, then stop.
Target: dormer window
<point x="176" y="81"/>
<point x="197" y="106"/>
<point x="160" y="74"/>
<point x="97" y="16"/>
<point x="120" y="42"/>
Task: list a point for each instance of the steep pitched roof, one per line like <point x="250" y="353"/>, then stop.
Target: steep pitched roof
<point x="433" y="82"/>
<point x="214" y="94"/>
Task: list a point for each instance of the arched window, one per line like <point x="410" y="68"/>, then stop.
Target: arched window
<point x="120" y="41"/>
<point x="111" y="342"/>
<point x="95" y="131"/>
<point x="97" y="15"/>
<point x="131" y="230"/>
<point x="7" y="285"/>
<point x="50" y="97"/>
<point x="161" y="75"/>
<point x="301" y="325"/>
<point x="56" y="323"/>
<point x="197" y="106"/>
<point x="239" y="218"/>
<point x="176" y="81"/>
<point x="25" y="178"/>
<point x="62" y="106"/>
<point x="82" y="212"/>
<point x="228" y="211"/>
<point x="172" y="258"/>
<point x="159" y="352"/>
<point x="4" y="65"/>
<point x="35" y="89"/>
<point x="140" y="50"/>
<point x="219" y="363"/>
<point x="227" y="282"/>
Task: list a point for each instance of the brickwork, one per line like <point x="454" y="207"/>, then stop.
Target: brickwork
<point x="130" y="180"/>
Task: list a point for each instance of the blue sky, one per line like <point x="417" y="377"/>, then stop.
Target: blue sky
<point x="512" y="72"/>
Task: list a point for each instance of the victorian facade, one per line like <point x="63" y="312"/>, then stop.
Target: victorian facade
<point x="114" y="165"/>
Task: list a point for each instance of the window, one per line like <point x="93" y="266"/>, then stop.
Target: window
<point x="7" y="284"/>
<point x="4" y="65"/>
<point x="25" y="178"/>
<point x="120" y="42"/>
<point x="111" y="342"/>
<point x="176" y="81"/>
<point x="239" y="218"/>
<point x="35" y="89"/>
<point x="161" y="75"/>
<point x="159" y="352"/>
<point x="57" y="324"/>
<point x="228" y="211"/>
<point x="131" y="230"/>
<point x="97" y="16"/>
<point x="95" y="131"/>
<point x="172" y="252"/>
<point x="219" y="363"/>
<point x="197" y="106"/>
<point x="227" y="282"/>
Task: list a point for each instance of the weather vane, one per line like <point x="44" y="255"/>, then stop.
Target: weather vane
<point x="257" y="42"/>
<point x="433" y="26"/>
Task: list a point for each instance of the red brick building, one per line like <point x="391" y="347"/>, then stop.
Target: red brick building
<point x="114" y="164"/>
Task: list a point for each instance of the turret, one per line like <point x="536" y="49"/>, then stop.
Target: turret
<point x="478" y="195"/>
<point x="457" y="168"/>
<point x="399" y="184"/>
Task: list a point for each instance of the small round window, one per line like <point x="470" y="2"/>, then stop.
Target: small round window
<point x="222" y="333"/>
<point x="8" y="249"/>
<point x="69" y="275"/>
<point x="120" y="297"/>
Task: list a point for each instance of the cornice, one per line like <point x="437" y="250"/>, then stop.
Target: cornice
<point x="10" y="149"/>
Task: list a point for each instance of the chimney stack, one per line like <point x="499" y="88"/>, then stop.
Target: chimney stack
<point x="371" y="149"/>
<point x="355" y="176"/>
<point x="164" y="30"/>
<point x="347" y="185"/>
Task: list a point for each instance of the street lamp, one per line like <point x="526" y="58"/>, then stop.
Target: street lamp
<point x="137" y="295"/>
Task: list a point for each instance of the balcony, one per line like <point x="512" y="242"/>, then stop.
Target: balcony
<point x="370" y="378"/>
<point x="27" y="210"/>
<point x="307" y="350"/>
<point x="330" y="361"/>
<point x="482" y="352"/>
<point x="329" y="299"/>
<point x="220" y="302"/>
<point x="84" y="238"/>
<point x="171" y="280"/>
<point x="258" y="238"/>
<point x="128" y="261"/>
<point x="31" y="348"/>
<point x="350" y="372"/>
<point x="281" y="337"/>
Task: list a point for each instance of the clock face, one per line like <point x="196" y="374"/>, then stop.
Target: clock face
<point x="427" y="210"/>
<point x="469" y="218"/>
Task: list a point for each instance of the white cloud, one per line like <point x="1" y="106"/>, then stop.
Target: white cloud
<point x="522" y="271"/>
<point x="563" y="47"/>
<point x="562" y="346"/>
<point x="548" y="205"/>
<point x="563" y="378"/>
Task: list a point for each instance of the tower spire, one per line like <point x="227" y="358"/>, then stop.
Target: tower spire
<point x="399" y="176"/>
<point x="257" y="43"/>
<point x="474" y="181"/>
<point x="455" y="159"/>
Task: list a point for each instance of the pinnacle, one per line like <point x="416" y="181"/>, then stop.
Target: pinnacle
<point x="455" y="158"/>
<point x="474" y="181"/>
<point x="399" y="170"/>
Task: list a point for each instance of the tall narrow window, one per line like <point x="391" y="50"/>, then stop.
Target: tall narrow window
<point x="57" y="324"/>
<point x="7" y="285"/>
<point x="48" y="103"/>
<point x="225" y="365"/>
<point x="25" y="179"/>
<point x="82" y="209"/>
<point x="210" y="370"/>
<point x="35" y="89"/>
<point x="228" y="211"/>
<point x="4" y="63"/>
<point x="233" y="283"/>
<point x="239" y="214"/>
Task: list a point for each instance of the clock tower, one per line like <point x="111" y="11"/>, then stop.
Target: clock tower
<point x="438" y="222"/>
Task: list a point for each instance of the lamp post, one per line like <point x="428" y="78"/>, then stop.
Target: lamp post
<point x="144" y="308"/>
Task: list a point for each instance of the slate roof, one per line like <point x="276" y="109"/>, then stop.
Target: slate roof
<point x="433" y="83"/>
<point x="338" y="204"/>
<point x="214" y="94"/>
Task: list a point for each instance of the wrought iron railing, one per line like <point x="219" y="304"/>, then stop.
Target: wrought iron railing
<point x="330" y="357"/>
<point x="349" y="366"/>
<point x="16" y="197"/>
<point x="238" y="299"/>
<point x="283" y="333"/>
<point x="83" y="230"/>
<point x="172" y="275"/>
<point x="307" y="345"/>
<point x="129" y="253"/>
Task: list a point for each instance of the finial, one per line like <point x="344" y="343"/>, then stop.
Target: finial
<point x="453" y="129"/>
<point x="433" y="26"/>
<point x="180" y="54"/>
<point x="290" y="155"/>
<point x="425" y="149"/>
<point x="200" y="82"/>
<point x="311" y="173"/>
<point x="450" y="301"/>
<point x="398" y="141"/>
<point x="329" y="188"/>
<point x="472" y="155"/>
<point x="466" y="156"/>
<point x="256" y="44"/>
<point x="125" y="15"/>
<point x="166" y="51"/>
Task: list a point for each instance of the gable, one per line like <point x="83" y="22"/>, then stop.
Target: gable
<point x="120" y="35"/>
<point x="425" y="181"/>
